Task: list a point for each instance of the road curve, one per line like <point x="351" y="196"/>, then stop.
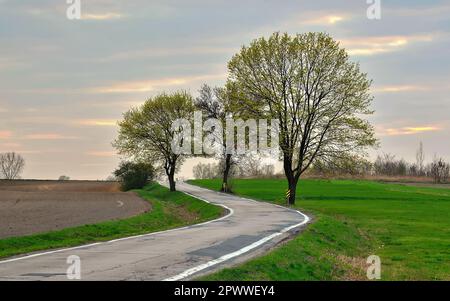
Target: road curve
<point x="180" y="254"/>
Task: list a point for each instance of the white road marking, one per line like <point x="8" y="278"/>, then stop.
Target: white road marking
<point x="199" y="268"/>
<point x="239" y="252"/>
<point x="230" y="213"/>
<point x="119" y="204"/>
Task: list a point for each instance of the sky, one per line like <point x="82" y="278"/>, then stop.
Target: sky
<point x="64" y="83"/>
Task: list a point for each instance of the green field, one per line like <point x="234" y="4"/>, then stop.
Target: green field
<point x="408" y="227"/>
<point x="169" y="210"/>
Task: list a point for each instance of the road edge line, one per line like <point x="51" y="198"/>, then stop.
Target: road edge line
<point x="243" y="250"/>
<point x="230" y="213"/>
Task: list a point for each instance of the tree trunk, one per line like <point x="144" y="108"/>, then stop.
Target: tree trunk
<point x="292" y="191"/>
<point x="226" y="173"/>
<point x="170" y="171"/>
<point x="292" y="180"/>
<point x="172" y="183"/>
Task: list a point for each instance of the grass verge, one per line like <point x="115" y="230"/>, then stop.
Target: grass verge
<point x="407" y="226"/>
<point x="169" y="210"/>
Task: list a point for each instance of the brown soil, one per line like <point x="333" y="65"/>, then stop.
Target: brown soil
<point x="29" y="207"/>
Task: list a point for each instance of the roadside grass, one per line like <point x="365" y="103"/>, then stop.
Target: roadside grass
<point x="407" y="226"/>
<point x="169" y="210"/>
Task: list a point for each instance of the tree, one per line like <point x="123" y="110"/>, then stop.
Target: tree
<point x="388" y="165"/>
<point x="341" y="167"/>
<point x="11" y="165"/>
<point x="440" y="170"/>
<point x="317" y="94"/>
<point x="420" y="159"/>
<point x="251" y="166"/>
<point x="214" y="103"/>
<point x="205" y="171"/>
<point x="63" y="178"/>
<point x="268" y="170"/>
<point x="147" y="133"/>
<point x="134" y="175"/>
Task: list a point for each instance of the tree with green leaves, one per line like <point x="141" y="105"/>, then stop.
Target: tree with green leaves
<point x="318" y="95"/>
<point x="147" y="132"/>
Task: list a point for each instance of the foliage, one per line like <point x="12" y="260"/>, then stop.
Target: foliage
<point x="309" y="84"/>
<point x="134" y="175"/>
<point x="146" y="132"/>
<point x="347" y="166"/>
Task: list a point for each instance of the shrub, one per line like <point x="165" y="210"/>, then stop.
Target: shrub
<point x="345" y="166"/>
<point x="134" y="175"/>
<point x="206" y="171"/>
<point x="440" y="170"/>
<point x="388" y="165"/>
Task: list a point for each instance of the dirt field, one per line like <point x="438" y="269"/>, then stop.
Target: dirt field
<point x="28" y="207"/>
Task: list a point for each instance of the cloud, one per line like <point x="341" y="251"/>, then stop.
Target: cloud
<point x="11" y="63"/>
<point x="399" y="89"/>
<point x="324" y="20"/>
<point x="95" y="164"/>
<point x="151" y="85"/>
<point x="49" y="11"/>
<point x="101" y="153"/>
<point x="48" y="136"/>
<point x="97" y="122"/>
<point x="411" y="130"/>
<point x="10" y="145"/>
<point x="167" y="52"/>
<point x="366" y="46"/>
<point x="316" y="18"/>
<point x="102" y="17"/>
<point x="427" y="10"/>
<point x="5" y="134"/>
<point x="21" y="152"/>
<point x="429" y="85"/>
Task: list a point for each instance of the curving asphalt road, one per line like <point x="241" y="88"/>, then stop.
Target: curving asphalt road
<point x="249" y="229"/>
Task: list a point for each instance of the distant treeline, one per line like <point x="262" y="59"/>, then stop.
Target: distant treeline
<point x="386" y="165"/>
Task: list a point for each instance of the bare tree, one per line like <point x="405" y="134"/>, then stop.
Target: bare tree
<point x="268" y="170"/>
<point x="11" y="166"/>
<point x="342" y="167"/>
<point x="388" y="165"/>
<point x="440" y="170"/>
<point x="420" y="159"/>
<point x="205" y="171"/>
<point x="250" y="166"/>
<point x="317" y="94"/>
<point x="214" y="103"/>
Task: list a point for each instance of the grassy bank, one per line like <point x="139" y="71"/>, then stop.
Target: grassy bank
<point x="169" y="210"/>
<point x="407" y="226"/>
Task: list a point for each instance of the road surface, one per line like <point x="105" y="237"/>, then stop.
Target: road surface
<point x="181" y="254"/>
